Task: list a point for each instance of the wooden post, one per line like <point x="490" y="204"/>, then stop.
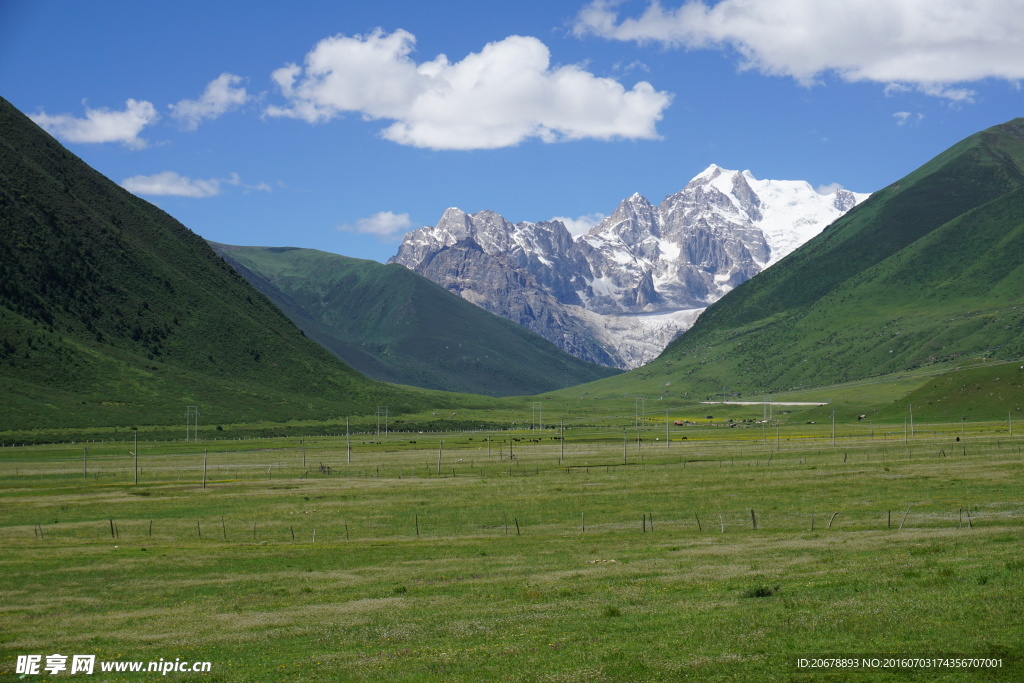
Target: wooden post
<point x="417" y="525"/>
<point x="753" y="518"/>
<point x="136" y="454"/>
<point x="346" y="531"/>
<point x="206" y="453"/>
<point x="905" y="516"/>
<point x="517" y="525"/>
<point x="292" y="529"/>
<point x="151" y="528"/>
<point x="440" y="444"/>
<point x="812" y="521"/>
<point x="199" y="530"/>
<point x="583" y="522"/>
<point x="223" y="528"/>
<point x="112" y="528"/>
<point x="699" y="527"/>
<point x="644" y="522"/>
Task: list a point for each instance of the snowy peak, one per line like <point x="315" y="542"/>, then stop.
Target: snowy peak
<point x="707" y="175"/>
<point x="642" y="263"/>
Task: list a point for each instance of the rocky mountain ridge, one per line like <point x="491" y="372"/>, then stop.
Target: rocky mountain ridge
<point x="620" y="293"/>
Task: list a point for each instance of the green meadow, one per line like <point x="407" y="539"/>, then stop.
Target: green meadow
<point x="579" y="550"/>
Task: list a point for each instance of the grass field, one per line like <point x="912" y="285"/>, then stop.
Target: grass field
<point x="609" y="555"/>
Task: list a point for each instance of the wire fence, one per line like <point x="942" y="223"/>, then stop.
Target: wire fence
<point x="370" y="489"/>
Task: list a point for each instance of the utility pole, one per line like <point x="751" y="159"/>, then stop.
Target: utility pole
<point x="192" y="422"/>
<point x="136" y="454"/>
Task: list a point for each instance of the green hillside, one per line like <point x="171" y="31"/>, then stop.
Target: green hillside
<point x="928" y="272"/>
<point x="113" y="313"/>
<point x="394" y="325"/>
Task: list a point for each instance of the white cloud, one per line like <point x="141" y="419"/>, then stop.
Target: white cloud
<point x="829" y="188"/>
<point x="927" y="44"/>
<point x="221" y="95"/>
<point x="893" y="89"/>
<point x="383" y="224"/>
<point x="581" y="225"/>
<point x="102" y="125"/>
<point x="904" y="117"/>
<point x="169" y="183"/>
<point x="498" y="97"/>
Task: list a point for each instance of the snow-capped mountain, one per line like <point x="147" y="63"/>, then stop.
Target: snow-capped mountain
<point x="620" y="293"/>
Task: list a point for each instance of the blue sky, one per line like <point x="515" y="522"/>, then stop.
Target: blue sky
<point x="341" y="125"/>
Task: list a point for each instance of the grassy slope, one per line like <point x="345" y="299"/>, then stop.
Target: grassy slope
<point x="397" y="326"/>
<point x="927" y="272"/>
<point x="113" y="313"/>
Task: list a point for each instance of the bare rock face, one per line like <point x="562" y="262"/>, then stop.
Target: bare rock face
<point x="619" y="294"/>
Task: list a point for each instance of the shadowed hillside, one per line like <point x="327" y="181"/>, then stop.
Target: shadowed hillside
<point x="394" y="325"/>
<point x="113" y="313"/>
